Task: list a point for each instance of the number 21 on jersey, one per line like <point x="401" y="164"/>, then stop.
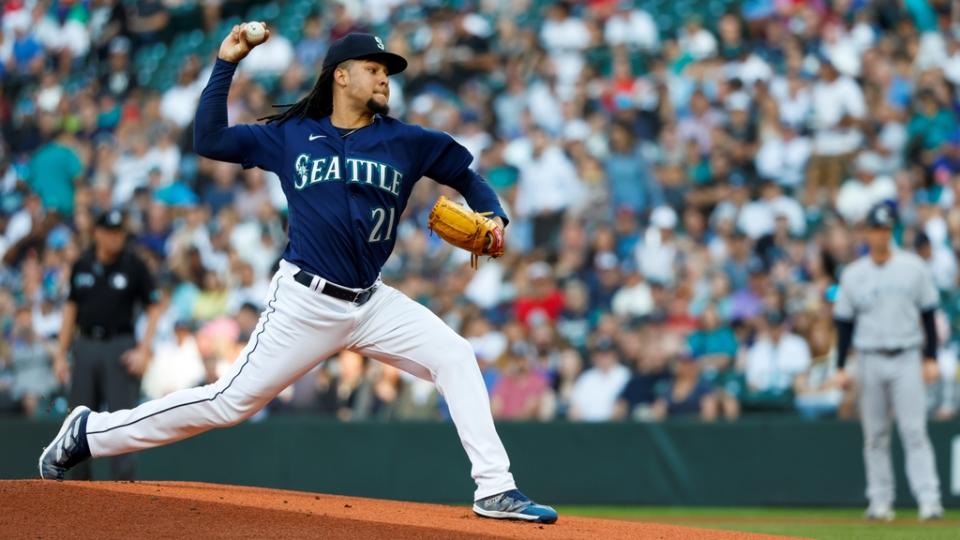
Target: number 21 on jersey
<point x="383" y="224"/>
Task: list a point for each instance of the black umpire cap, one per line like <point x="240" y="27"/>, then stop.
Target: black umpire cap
<point x="112" y="219"/>
<point x="357" y="46"/>
<point x="881" y="216"/>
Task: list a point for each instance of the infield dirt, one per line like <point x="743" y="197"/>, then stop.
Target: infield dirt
<point x="139" y="510"/>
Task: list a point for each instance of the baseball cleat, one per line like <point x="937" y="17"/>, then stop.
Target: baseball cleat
<point x="514" y="505"/>
<point x="68" y="448"/>
<point x="879" y="514"/>
<point x="931" y="513"/>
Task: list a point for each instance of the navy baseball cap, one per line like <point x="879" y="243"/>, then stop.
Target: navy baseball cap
<point x="356" y="46"/>
<point x="112" y="219"/>
<point x="881" y="216"/>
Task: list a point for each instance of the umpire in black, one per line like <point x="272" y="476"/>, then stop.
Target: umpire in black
<point x="108" y="283"/>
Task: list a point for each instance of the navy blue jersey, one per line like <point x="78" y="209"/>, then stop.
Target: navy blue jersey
<point x="345" y="192"/>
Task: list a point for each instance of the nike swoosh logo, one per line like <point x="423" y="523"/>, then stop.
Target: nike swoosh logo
<point x="315" y="137"/>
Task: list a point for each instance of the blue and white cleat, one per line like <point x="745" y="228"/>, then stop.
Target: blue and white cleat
<point x="514" y="505"/>
<point x="68" y="448"/>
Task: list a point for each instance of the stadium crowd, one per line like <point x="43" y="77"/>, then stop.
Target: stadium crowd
<point x="685" y="182"/>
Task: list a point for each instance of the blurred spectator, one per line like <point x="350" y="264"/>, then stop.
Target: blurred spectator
<point x="783" y="157"/>
<point x="343" y="22"/>
<point x="816" y="394"/>
<point x="774" y="363"/>
<point x="714" y="347"/>
<point x="687" y="395"/>
<point x="564" y="37"/>
<point x="859" y="194"/>
<point x="31" y="361"/>
<point x="698" y="125"/>
<point x="944" y="395"/>
<point x="696" y="41"/>
<point x="838" y="107"/>
<point x="26" y="52"/>
<point x="117" y="75"/>
<point x="931" y="124"/>
<point x="631" y="180"/>
<point x="748" y="302"/>
<point x="147" y="20"/>
<point x="941" y="261"/>
<point x="177" y="364"/>
<point x="569" y="366"/>
<point x="596" y="390"/>
<point x="519" y="392"/>
<point x="649" y="381"/>
<point x="548" y="185"/>
<point x="179" y="102"/>
<point x="631" y="26"/>
<point x="634" y="298"/>
<point x="54" y="171"/>
<point x="604" y="282"/>
<point x="540" y="301"/>
<point x="312" y="47"/>
<point x="657" y="253"/>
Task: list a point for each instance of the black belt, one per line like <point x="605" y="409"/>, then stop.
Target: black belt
<point x="102" y="332"/>
<point x="887" y="352"/>
<point x="330" y="289"/>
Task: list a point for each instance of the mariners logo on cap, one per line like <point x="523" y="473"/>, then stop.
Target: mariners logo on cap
<point x="379" y="42"/>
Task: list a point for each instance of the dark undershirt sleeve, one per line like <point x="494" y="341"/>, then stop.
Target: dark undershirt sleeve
<point x="929" y="335"/>
<point x="844" y="339"/>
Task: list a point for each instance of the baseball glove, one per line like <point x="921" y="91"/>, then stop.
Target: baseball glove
<point x="466" y="229"/>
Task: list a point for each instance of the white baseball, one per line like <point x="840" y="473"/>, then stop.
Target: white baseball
<point x="254" y="32"/>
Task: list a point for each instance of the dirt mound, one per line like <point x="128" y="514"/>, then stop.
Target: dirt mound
<point x="101" y="510"/>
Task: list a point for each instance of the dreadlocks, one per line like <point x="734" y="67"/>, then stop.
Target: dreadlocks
<point x="317" y="104"/>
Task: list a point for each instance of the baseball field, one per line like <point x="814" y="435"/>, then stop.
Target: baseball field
<point x="37" y="509"/>
<point x="820" y="523"/>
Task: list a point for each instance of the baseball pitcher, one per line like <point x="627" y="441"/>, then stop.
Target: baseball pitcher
<point x="347" y="170"/>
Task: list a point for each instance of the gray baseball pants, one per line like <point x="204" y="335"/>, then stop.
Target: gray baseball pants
<point x="894" y="384"/>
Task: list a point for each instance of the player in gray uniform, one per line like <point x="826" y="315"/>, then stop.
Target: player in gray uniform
<point x="885" y="305"/>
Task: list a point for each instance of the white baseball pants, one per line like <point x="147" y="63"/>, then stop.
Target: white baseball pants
<point x="300" y="328"/>
<point x="894" y="384"/>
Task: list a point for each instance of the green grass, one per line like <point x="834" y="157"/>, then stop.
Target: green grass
<point x="826" y="524"/>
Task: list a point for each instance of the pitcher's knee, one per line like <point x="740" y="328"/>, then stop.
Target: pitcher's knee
<point x="231" y="410"/>
<point x="455" y="352"/>
<point x="453" y="355"/>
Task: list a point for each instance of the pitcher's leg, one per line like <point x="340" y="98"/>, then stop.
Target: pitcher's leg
<point x="85" y="389"/>
<point x="291" y="337"/>
<point x="875" y="420"/>
<point x="910" y="411"/>
<point x="403" y="333"/>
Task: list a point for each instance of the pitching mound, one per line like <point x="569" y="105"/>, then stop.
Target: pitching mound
<point x="97" y="510"/>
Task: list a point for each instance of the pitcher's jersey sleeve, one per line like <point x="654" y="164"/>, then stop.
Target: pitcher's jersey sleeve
<point x="448" y="162"/>
<point x="441" y="156"/>
<point x="251" y="145"/>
